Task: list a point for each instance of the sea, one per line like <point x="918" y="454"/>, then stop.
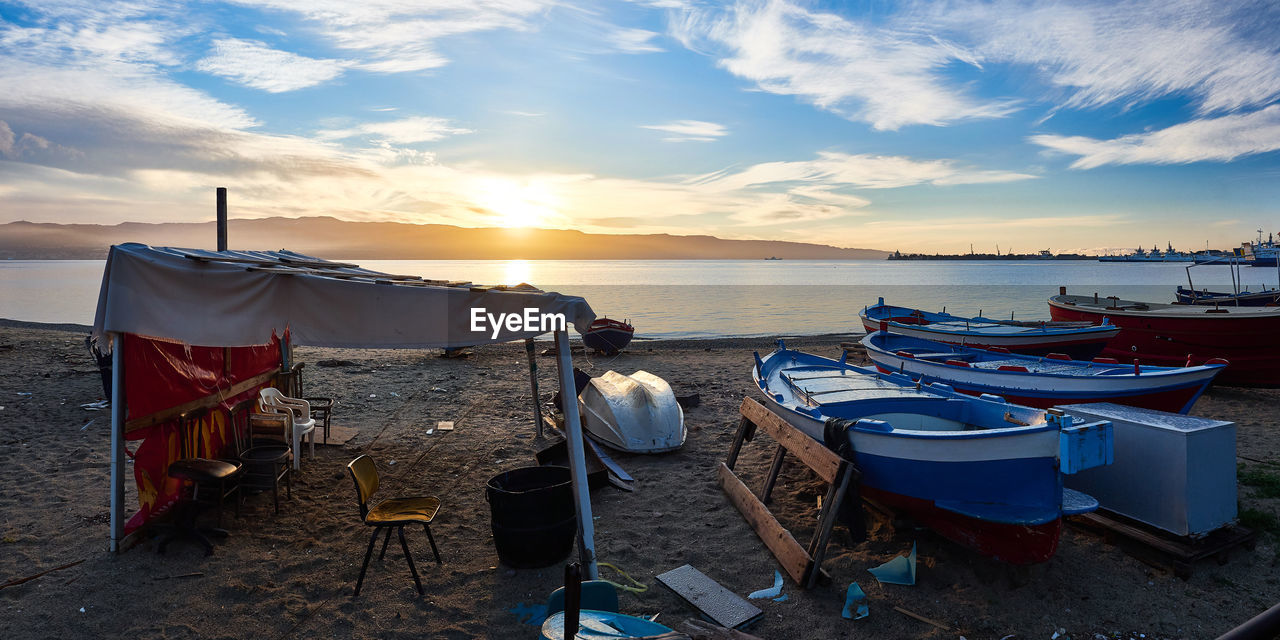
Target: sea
<point x="717" y="298"/>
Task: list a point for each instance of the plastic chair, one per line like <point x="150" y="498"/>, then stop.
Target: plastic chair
<point x="392" y="513"/>
<point x="321" y="407"/>
<point x="299" y="418"/>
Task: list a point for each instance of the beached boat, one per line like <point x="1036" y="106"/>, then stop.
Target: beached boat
<point x="980" y="471"/>
<point x="1226" y="298"/>
<point x="1041" y="381"/>
<point x="1080" y="340"/>
<point x="636" y="413"/>
<point x="608" y="336"/>
<point x="1248" y="338"/>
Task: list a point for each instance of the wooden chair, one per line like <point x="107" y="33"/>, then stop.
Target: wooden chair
<point x="199" y="471"/>
<point x="265" y="461"/>
<point x="392" y="513"/>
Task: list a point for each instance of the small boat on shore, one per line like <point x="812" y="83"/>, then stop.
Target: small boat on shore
<point x="980" y="471"/>
<point x="1174" y="335"/>
<point x="636" y="413"/>
<point x="1041" y="381"/>
<point x="1224" y="298"/>
<point x="1080" y="340"/>
<point x="608" y="336"/>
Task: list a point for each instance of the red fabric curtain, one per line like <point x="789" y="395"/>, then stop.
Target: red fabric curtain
<point x="160" y="375"/>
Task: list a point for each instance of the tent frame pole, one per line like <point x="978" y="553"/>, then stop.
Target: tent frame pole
<point x="533" y="383"/>
<point x="117" y="442"/>
<point x="577" y="459"/>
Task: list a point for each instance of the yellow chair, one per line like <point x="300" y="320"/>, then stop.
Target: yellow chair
<point x="392" y="513"/>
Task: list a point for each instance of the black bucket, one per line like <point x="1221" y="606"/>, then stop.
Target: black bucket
<point x="533" y="516"/>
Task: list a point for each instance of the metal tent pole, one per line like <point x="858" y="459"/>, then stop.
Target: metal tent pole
<point x="533" y="383"/>
<point x="577" y="459"/>
<point x="117" y="442"/>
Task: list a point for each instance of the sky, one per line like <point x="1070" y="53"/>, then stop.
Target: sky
<point x="1070" y="126"/>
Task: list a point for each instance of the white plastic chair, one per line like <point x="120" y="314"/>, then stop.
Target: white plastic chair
<point x="298" y="413"/>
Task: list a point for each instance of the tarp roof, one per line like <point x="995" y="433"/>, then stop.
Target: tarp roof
<point x="237" y="298"/>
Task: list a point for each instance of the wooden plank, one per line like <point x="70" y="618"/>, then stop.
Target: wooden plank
<point x="745" y="429"/>
<point x="793" y="558"/>
<point x="814" y="454"/>
<point x="206" y="402"/>
<point x="1163" y="551"/>
<point x="827" y="519"/>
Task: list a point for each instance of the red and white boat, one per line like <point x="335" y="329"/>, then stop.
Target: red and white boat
<point x="1181" y="335"/>
<point x="608" y="336"/>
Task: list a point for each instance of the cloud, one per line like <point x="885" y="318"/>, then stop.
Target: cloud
<point x="690" y="130"/>
<point x="897" y="68"/>
<point x="856" y="171"/>
<point x="1129" y="52"/>
<point x="398" y="36"/>
<point x="404" y="131"/>
<point x="256" y="65"/>
<point x="1220" y="139"/>
<point x="634" y="41"/>
<point x="887" y="77"/>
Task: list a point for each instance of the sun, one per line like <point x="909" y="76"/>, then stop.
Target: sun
<point x="516" y="205"/>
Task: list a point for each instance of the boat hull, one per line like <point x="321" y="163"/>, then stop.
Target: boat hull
<point x="1012" y="543"/>
<point x="1032" y="345"/>
<point x="992" y="481"/>
<point x="1212" y="298"/>
<point x="1039" y="382"/>
<point x="1170" y="400"/>
<point x="608" y="336"/>
<point x="1247" y="339"/>
<point x="924" y="482"/>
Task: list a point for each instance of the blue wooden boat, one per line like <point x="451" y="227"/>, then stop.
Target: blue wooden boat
<point x="1080" y="340"/>
<point x="608" y="336"/>
<point x="978" y="470"/>
<point x="1041" y="381"/>
<point x="1227" y="299"/>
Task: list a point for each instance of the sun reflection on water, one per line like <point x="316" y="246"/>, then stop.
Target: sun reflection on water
<point x="516" y="271"/>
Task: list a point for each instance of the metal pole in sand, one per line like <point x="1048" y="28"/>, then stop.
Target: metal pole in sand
<point x="222" y="218"/>
<point x="577" y="458"/>
<point x="117" y="441"/>
<point x="533" y="383"/>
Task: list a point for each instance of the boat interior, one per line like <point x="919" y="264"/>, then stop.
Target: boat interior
<point x="1044" y="364"/>
<point x="828" y="388"/>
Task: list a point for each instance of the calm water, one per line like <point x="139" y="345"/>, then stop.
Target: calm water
<point x="678" y="298"/>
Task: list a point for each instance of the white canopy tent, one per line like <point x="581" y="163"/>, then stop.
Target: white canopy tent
<point x="238" y="298"/>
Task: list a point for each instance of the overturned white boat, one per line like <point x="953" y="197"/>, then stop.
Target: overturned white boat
<point x="636" y="413"/>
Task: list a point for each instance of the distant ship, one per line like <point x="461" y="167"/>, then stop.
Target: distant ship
<point x="1261" y="254"/>
<point x="1043" y="254"/>
<point x="1155" y="255"/>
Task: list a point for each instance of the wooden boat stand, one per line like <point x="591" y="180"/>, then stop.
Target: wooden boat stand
<point x="1162" y="549"/>
<point x="803" y="564"/>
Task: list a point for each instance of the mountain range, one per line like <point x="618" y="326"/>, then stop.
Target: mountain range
<point x="338" y="239"/>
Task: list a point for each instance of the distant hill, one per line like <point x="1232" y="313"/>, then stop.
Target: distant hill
<point x="332" y="238"/>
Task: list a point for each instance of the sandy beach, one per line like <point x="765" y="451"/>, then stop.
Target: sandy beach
<point x="290" y="575"/>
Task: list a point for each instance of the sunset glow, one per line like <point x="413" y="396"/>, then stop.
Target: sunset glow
<point x="1083" y="126"/>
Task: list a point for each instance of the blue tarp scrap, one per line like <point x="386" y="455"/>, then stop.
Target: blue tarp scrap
<point x="855" y="596"/>
<point x="530" y="614"/>
<point x="900" y="570"/>
<point x="771" y="592"/>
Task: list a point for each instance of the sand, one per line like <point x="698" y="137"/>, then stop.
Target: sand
<point x="291" y="574"/>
